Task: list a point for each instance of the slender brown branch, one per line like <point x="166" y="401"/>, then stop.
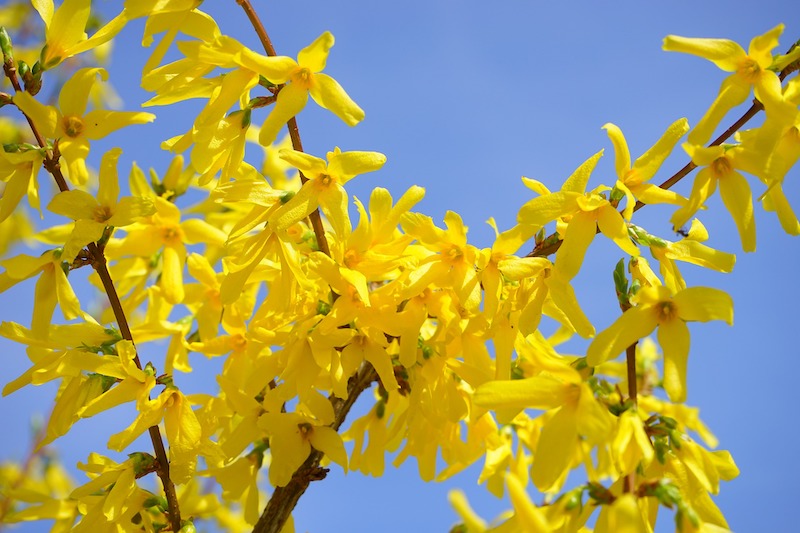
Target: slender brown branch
<point x="294" y="132"/>
<point x="52" y="165"/>
<point x="284" y="499"/>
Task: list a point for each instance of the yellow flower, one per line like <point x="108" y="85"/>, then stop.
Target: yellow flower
<point x="632" y="179"/>
<point x="750" y="69"/>
<point x="18" y="171"/>
<point x="302" y="77"/>
<point x="631" y="445"/>
<point x="576" y="415"/>
<point x="291" y="437"/>
<point x="658" y="308"/>
<point x="624" y="515"/>
<point x="453" y="262"/>
<point x="72" y="125"/>
<point x="92" y="215"/>
<point x="52" y="287"/>
<point x="720" y="164"/>
<point x="65" y="30"/>
<point x="324" y="187"/>
<point x="586" y="213"/>
<point x="165" y="231"/>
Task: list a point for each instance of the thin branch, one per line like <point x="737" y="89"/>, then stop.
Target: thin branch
<point x="294" y="132"/>
<point x="52" y="165"/>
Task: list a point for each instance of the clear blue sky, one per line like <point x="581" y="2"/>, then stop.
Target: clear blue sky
<point x="464" y="99"/>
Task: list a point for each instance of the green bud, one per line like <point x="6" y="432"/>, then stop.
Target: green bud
<point x="156" y="501"/>
<point x="142" y="463"/>
<point x="540" y="235"/>
<point x="427" y="352"/>
<point x="188" y="527"/>
<point x="6" y="47"/>
<point x="621" y="283"/>
<point x="246" y="117"/>
<point x="671" y="423"/>
<point x="264" y="82"/>
<point x="380" y="408"/>
<point x="572" y="499"/>
<point x="11" y="148"/>
<point x="23" y="69"/>
<point x="323" y="308"/>
<point x="114" y="333"/>
<point x="150" y="369"/>
<point x="286" y="196"/>
<point x="617" y="195"/>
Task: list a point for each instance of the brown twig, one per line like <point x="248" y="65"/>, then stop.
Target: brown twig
<point x="294" y="132"/>
<point x="98" y="262"/>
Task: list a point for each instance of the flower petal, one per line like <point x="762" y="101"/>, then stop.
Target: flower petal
<point x="100" y="123"/>
<point x="702" y="304"/>
<point x="634" y="324"/>
<point x="538" y="392"/>
<point x="308" y="164"/>
<point x="315" y="55"/>
<point x="580" y="233"/>
<point x="722" y="52"/>
<point x="329" y="94"/>
<point x="345" y="165"/>
<point x="291" y="100"/>
<point x="736" y="196"/>
<point x="75" y="204"/>
<point x="622" y="156"/>
<point x="732" y="93"/>
<point x="613" y="226"/>
<point x="673" y="336"/>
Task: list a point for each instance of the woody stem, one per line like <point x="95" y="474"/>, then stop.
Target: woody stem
<point x="53" y="166"/>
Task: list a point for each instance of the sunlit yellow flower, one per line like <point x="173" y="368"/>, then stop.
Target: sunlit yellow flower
<point x="291" y="437"/>
<point x="658" y="308"/>
<point x="52" y="287"/>
<point x="324" y="187"/>
<point x="585" y="214"/>
<point x="631" y="445"/>
<point x="576" y="414"/>
<point x="750" y="69"/>
<point x="65" y="30"/>
<point x="623" y="515"/>
<point x="453" y="262"/>
<point x="92" y="215"/>
<point x="18" y="171"/>
<point x="165" y="231"/>
<point x="70" y="122"/>
<point x="302" y="77"/>
<point x="720" y="167"/>
<point x="632" y="179"/>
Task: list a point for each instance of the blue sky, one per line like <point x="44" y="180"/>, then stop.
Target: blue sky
<point x="464" y="99"/>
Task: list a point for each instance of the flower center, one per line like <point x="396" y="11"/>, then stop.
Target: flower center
<point x="325" y="180"/>
<point x="171" y="234"/>
<point x="666" y="311"/>
<point x="721" y="167"/>
<point x="303" y="77"/>
<point x="101" y="214"/>
<point x="749" y="69"/>
<point x="453" y="254"/>
<point x="73" y="126"/>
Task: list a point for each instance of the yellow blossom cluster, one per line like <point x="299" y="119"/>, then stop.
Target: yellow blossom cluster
<point x="307" y="307"/>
